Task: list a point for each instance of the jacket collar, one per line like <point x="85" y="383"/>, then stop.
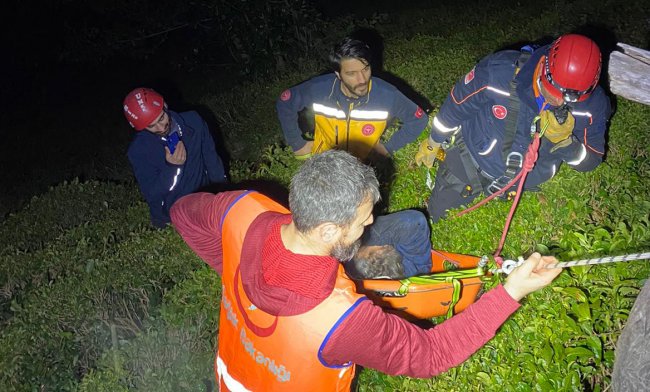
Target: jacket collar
<point x="336" y="95"/>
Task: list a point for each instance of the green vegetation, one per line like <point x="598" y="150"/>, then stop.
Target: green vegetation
<point x="93" y="299"/>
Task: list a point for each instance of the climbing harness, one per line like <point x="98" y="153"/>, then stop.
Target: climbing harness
<point x="529" y="162"/>
<point x="513" y="161"/>
<point x="509" y="265"/>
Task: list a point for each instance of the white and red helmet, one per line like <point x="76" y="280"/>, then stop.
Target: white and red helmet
<point x="142" y="106"/>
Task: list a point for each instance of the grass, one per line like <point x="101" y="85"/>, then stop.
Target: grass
<point x="95" y="300"/>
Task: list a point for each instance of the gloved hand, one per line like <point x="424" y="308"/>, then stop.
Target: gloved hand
<point x="556" y="132"/>
<point x="304" y="152"/>
<point x="427" y="153"/>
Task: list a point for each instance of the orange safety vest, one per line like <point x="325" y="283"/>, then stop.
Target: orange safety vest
<point x="262" y="352"/>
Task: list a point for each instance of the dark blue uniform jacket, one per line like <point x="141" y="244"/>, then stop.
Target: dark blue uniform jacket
<point x="477" y="103"/>
<point x="162" y="183"/>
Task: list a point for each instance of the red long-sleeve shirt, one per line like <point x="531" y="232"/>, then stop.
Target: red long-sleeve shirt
<point x="284" y="283"/>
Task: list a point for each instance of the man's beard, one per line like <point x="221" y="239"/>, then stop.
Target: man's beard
<point x="354" y="90"/>
<point x="344" y="252"/>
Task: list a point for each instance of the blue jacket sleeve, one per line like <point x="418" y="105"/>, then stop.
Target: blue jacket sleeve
<point x="211" y="160"/>
<point x="413" y="118"/>
<point x="290" y="102"/>
<point x="464" y="101"/>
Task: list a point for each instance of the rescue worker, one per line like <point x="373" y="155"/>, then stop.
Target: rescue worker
<point x="485" y="123"/>
<point x="351" y="108"/>
<point x="175" y="156"/>
<point x="290" y="318"/>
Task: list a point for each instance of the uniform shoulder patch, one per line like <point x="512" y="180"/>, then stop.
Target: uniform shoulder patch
<point x="499" y="111"/>
<point x="286" y="95"/>
<point x="419" y="112"/>
<point x="470" y="76"/>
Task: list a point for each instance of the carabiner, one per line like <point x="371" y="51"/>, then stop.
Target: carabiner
<point x="509" y="265"/>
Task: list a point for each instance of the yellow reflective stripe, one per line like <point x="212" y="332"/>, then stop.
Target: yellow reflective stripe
<point x="328" y="111"/>
<point x="303" y="157"/>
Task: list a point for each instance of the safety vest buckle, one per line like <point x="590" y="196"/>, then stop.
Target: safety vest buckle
<point x="515" y="159"/>
<point x="498" y="184"/>
<point x="513" y="164"/>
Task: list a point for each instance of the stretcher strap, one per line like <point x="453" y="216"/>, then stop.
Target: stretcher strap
<point x="452" y="277"/>
<point x="455" y="296"/>
<point x="442" y="277"/>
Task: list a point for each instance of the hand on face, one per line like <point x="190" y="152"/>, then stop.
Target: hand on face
<point x="179" y="155"/>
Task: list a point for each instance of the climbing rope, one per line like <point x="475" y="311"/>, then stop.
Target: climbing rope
<point x="509" y="265"/>
<point x="528" y="165"/>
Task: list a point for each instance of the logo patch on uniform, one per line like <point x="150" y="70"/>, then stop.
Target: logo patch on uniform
<point x="286" y="94"/>
<point x="368" y="129"/>
<point x="470" y="76"/>
<point x="499" y="111"/>
<point x="419" y="112"/>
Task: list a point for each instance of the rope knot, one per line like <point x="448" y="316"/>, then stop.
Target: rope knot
<point x="531" y="155"/>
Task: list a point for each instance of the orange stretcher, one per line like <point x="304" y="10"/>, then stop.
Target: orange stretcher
<point x="454" y="284"/>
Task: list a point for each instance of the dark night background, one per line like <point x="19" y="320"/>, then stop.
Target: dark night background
<point x="67" y="64"/>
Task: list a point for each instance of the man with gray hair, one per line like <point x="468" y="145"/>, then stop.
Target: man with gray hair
<point x="290" y="318"/>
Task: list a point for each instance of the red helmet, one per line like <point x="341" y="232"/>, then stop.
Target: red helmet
<point x="572" y="68"/>
<point x="142" y="106"/>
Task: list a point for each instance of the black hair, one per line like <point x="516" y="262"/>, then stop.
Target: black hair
<point x="349" y="48"/>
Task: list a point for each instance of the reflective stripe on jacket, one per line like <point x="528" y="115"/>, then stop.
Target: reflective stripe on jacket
<point x="355" y="125"/>
<point x="478" y="105"/>
<point x="263" y="352"/>
<point x="356" y="128"/>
